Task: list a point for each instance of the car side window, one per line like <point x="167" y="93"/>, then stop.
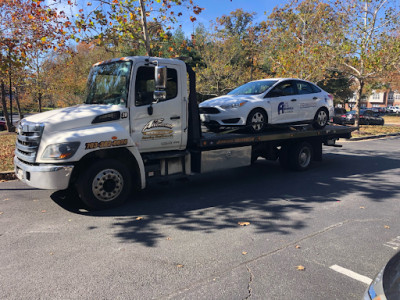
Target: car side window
<point x="144" y="85"/>
<point x="285" y="88"/>
<point x="304" y="88"/>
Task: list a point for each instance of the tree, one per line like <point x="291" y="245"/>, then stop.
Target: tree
<point x="24" y="26"/>
<point x="298" y="39"/>
<point x="127" y="21"/>
<point x="371" y="46"/>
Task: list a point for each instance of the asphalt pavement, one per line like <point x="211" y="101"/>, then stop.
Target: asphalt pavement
<point x="251" y="233"/>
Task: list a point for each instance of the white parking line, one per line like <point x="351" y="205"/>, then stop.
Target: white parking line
<point x="351" y="274"/>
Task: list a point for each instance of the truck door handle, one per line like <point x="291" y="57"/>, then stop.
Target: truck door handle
<point x="293" y="100"/>
<point x="175" y="118"/>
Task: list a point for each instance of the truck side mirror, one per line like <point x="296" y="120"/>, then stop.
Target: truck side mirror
<point x="160" y="80"/>
<point x="160" y="76"/>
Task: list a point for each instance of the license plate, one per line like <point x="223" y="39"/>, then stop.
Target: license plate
<point x="20" y="174"/>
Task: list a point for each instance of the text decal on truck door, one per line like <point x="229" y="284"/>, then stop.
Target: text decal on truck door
<point x="157" y="129"/>
<point x="105" y="144"/>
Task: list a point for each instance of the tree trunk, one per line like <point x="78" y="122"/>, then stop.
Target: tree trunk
<point x="40" y="101"/>
<point x="144" y="27"/>
<point x="4" y="104"/>
<point x="18" y="104"/>
<point x="359" y="93"/>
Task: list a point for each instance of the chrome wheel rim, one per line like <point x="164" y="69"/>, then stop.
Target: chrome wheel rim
<point x="257" y="121"/>
<point x="107" y="185"/>
<point x="322" y="118"/>
<point x="304" y="157"/>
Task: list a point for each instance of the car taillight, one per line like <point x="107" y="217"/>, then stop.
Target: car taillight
<point x="343" y="116"/>
<point x="361" y="117"/>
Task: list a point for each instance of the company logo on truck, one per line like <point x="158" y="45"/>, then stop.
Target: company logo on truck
<point x="157" y="129"/>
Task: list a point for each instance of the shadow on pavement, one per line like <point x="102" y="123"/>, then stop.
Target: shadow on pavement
<point x="263" y="194"/>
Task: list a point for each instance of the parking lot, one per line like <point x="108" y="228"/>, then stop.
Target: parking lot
<point x="251" y="233"/>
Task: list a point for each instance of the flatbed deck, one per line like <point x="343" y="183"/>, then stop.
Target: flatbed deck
<point x="226" y="139"/>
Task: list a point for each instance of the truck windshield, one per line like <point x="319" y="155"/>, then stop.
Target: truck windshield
<point x="109" y="83"/>
<point x="253" y="88"/>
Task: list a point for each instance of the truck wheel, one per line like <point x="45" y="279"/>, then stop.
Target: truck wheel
<point x="300" y="156"/>
<point x="106" y="183"/>
<point x="257" y="120"/>
<point x="321" y="118"/>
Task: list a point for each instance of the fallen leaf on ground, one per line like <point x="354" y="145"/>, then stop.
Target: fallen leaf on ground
<point x="179" y="266"/>
<point x="300" y="268"/>
<point x="43" y="211"/>
<point x="387" y="227"/>
<point x="362" y="207"/>
<point x="298" y="247"/>
<point x="6" y="199"/>
<point x="1" y="212"/>
<point x="244" y="223"/>
<point x="169" y="238"/>
<point x="244" y="252"/>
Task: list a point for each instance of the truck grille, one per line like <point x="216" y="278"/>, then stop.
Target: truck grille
<point x="28" y="140"/>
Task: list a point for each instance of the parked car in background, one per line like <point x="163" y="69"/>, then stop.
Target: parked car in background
<point x="367" y="117"/>
<point x="393" y="109"/>
<point x="3" y="125"/>
<point x="339" y="116"/>
<point x="257" y="104"/>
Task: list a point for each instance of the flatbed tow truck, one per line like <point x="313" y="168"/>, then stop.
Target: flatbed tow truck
<point x="140" y="123"/>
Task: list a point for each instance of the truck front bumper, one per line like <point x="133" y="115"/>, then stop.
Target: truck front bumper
<point x="48" y="177"/>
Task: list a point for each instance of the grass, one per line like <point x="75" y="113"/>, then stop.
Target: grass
<point x="7" y="146"/>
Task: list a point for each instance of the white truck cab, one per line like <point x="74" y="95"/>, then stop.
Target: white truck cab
<point x="138" y="122"/>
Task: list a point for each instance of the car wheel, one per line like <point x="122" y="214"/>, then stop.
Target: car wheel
<point x="104" y="184"/>
<point x="321" y="118"/>
<point x="383" y="122"/>
<point x="300" y="156"/>
<point x="257" y="120"/>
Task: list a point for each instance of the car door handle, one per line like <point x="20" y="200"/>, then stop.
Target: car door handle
<point x="293" y="100"/>
<point x="315" y="98"/>
<point x="175" y="118"/>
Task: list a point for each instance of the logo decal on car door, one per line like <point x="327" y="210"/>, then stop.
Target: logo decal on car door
<point x="284" y="108"/>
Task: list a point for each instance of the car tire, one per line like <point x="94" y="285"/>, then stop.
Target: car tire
<point x="300" y="156"/>
<point x="104" y="184"/>
<point x="321" y="118"/>
<point x="257" y="120"/>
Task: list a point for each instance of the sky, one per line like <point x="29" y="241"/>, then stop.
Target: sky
<point x="218" y="8"/>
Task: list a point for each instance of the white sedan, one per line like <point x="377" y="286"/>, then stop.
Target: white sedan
<point x="269" y="101"/>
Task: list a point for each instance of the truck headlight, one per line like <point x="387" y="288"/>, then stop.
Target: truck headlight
<point x="60" y="151"/>
<point x="233" y="105"/>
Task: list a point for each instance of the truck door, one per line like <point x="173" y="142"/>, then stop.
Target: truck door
<point x="160" y="127"/>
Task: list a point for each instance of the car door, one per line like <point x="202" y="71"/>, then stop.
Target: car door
<point x="308" y="100"/>
<point x="156" y="126"/>
<point x="283" y="101"/>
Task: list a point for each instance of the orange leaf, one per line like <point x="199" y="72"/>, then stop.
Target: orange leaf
<point x="300" y="268"/>
<point x="244" y="223"/>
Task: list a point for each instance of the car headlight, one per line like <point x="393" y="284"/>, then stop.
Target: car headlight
<point x="233" y="105"/>
<point x="60" y="151"/>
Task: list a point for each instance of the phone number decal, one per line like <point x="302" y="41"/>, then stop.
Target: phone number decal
<point x="105" y="144"/>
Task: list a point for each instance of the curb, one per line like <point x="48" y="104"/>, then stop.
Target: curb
<point x="374" y="137"/>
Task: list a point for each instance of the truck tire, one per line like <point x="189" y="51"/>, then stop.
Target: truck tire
<point x="321" y="118"/>
<point x="300" y="156"/>
<point x="257" y="120"/>
<point x="104" y="184"/>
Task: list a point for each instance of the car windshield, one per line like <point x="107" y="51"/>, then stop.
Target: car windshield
<point x="108" y="83"/>
<point x="253" y="88"/>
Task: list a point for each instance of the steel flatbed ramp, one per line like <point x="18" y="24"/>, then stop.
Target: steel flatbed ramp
<point x="221" y="140"/>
